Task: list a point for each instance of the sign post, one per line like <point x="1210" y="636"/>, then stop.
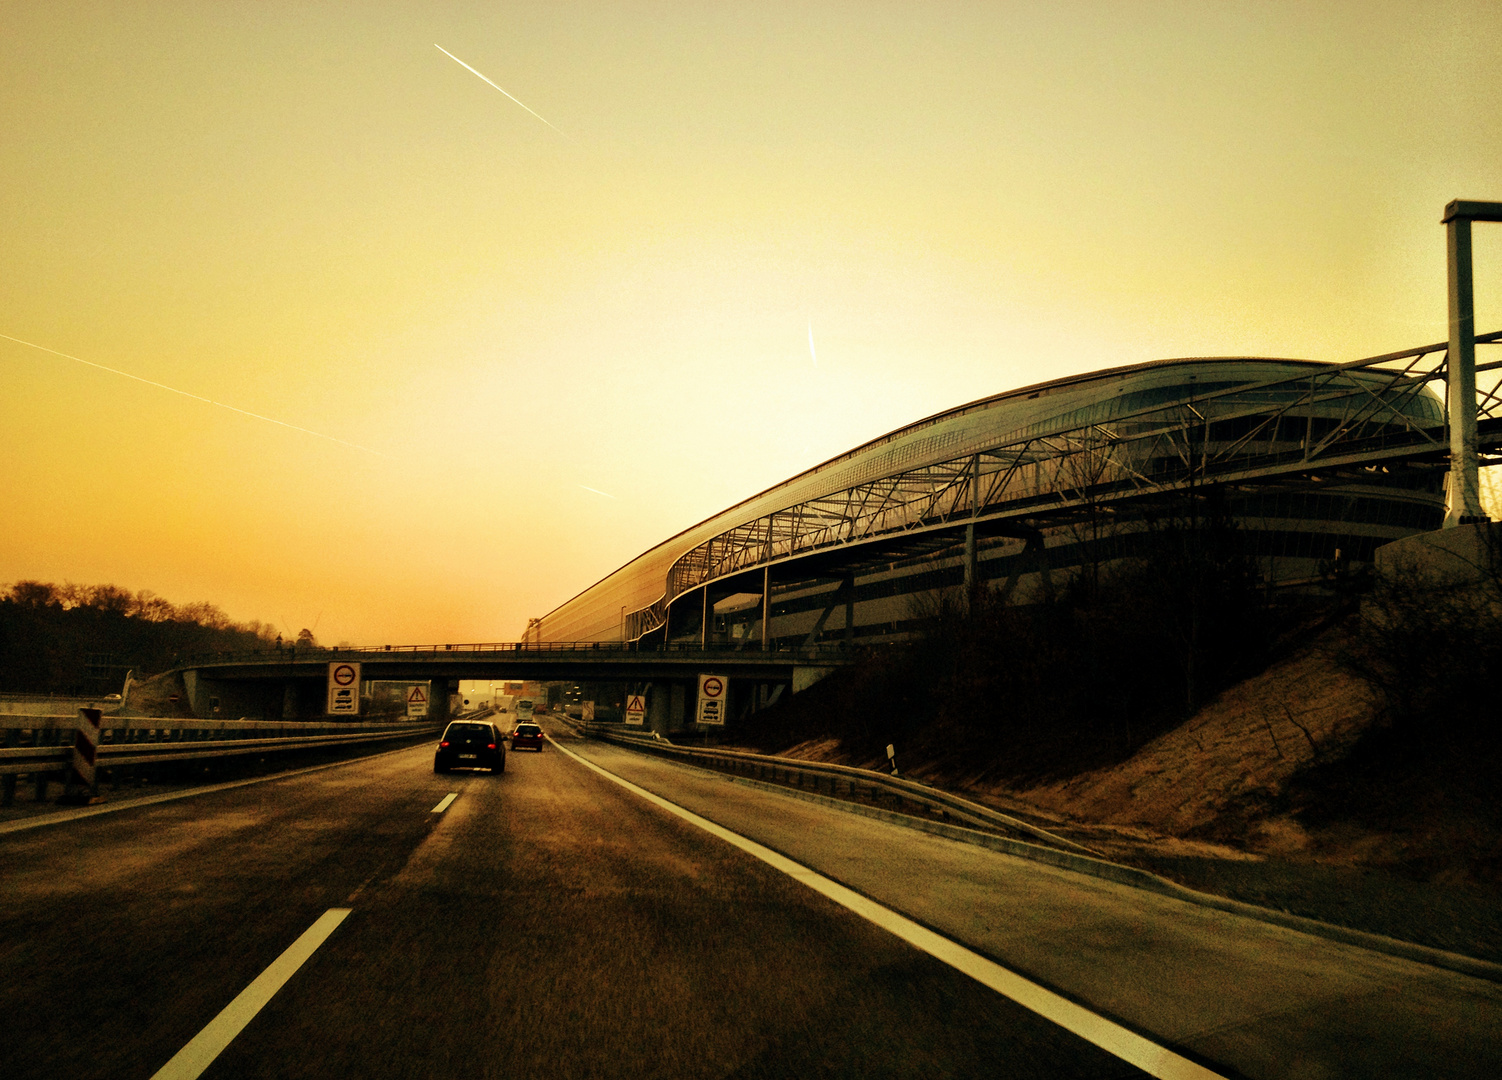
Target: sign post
<point x="417" y="701"/>
<point x="636" y="709"/>
<point x="344" y="689"/>
<point x="712" y="699"/>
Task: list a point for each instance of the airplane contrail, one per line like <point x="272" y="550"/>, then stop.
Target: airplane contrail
<point x="195" y="397"/>
<point x="811" y="343"/>
<point x="466" y="67"/>
<point x="597" y="491"/>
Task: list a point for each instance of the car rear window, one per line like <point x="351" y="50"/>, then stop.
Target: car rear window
<point x="466" y="731"/>
<point x="528" y="729"/>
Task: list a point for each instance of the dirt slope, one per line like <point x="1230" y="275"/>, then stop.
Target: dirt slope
<point x="1237" y="753"/>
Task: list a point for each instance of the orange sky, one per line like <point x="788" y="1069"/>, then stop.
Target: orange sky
<point x="308" y="212"/>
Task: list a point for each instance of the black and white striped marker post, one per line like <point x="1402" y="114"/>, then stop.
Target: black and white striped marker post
<point x="83" y="785"/>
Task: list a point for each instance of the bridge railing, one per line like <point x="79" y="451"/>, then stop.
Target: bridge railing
<point x="522" y="648"/>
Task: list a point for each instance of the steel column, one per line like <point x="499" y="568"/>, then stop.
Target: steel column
<point x="766" y="607"/>
<point x="1464" y="495"/>
<point x="849" y="587"/>
<point x="969" y="563"/>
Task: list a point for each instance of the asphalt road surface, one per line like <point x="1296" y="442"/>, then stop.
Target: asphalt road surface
<point x="549" y="922"/>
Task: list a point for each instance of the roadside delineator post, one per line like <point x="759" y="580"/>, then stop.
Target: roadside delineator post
<point x="82" y="786"/>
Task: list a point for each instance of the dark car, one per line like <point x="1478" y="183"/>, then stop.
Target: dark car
<point x="470" y="744"/>
<point x="527" y="735"/>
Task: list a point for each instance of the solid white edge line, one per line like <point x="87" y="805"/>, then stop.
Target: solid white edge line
<point x="1153" y="1059"/>
<point x="189" y="1062"/>
<point x="130" y="803"/>
<point x="448" y="801"/>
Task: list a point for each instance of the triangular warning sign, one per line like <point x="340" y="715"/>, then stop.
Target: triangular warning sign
<point x="417" y="696"/>
<point x="636" y="703"/>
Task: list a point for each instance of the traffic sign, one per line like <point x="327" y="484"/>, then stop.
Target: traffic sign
<point x="636" y="709"/>
<point x="344" y="689"/>
<point x="712" y="689"/>
<point x="417" y="700"/>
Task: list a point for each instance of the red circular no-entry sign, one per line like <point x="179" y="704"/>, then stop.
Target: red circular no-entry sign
<point x="344" y="674"/>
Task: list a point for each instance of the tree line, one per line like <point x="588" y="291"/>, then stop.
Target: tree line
<point x="82" y="639"/>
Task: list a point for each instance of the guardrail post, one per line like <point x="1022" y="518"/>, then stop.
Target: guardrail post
<point x="82" y="784"/>
<point x="8" y="782"/>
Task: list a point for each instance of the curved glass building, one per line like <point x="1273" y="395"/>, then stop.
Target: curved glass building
<point x="1316" y="463"/>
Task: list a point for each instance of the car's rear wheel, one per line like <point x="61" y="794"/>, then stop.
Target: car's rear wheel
<point x="437" y="768"/>
<point x="499" y="766"/>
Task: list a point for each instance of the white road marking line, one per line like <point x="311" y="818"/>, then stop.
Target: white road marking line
<point x="132" y="802"/>
<point x="189" y="1062"/>
<point x="447" y="802"/>
<point x="1111" y="1037"/>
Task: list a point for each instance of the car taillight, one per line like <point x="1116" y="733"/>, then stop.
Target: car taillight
<point x="490" y="746"/>
<point x="443" y="744"/>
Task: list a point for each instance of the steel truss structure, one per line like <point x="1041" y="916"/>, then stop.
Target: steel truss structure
<point x="1320" y="417"/>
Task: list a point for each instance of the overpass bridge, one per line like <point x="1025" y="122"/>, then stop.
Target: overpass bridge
<point x="290" y="683"/>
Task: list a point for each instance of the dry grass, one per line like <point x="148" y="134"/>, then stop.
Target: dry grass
<point x="1243" y="748"/>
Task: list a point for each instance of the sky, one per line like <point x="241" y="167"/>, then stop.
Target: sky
<point x="511" y="342"/>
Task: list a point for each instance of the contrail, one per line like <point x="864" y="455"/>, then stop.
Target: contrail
<point x="597" y="491"/>
<point x="466" y="67"/>
<point x="195" y="397"/>
<point x="811" y="343"/>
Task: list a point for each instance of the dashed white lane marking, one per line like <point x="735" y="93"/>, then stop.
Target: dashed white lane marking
<point x="189" y="1062"/>
<point x="444" y="805"/>
<point x="1155" y="1060"/>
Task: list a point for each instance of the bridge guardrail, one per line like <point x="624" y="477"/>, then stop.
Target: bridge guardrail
<point x="40" y="745"/>
<point x="812" y="653"/>
<point x="794" y="773"/>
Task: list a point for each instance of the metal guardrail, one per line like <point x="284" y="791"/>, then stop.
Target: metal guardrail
<point x="817" y="775"/>
<point x="40" y="745"/>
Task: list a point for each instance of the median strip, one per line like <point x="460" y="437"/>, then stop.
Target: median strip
<point x="190" y="1062"/>
<point x="1123" y="1043"/>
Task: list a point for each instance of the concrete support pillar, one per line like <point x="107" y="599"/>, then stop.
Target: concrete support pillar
<point x="290" y="709"/>
<point x="438" y="699"/>
<point x="658" y="705"/>
<point x="849" y="587"/>
<point x="704" y="619"/>
<point x="191" y="684"/>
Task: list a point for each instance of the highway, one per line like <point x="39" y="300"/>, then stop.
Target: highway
<point x="551" y="922"/>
